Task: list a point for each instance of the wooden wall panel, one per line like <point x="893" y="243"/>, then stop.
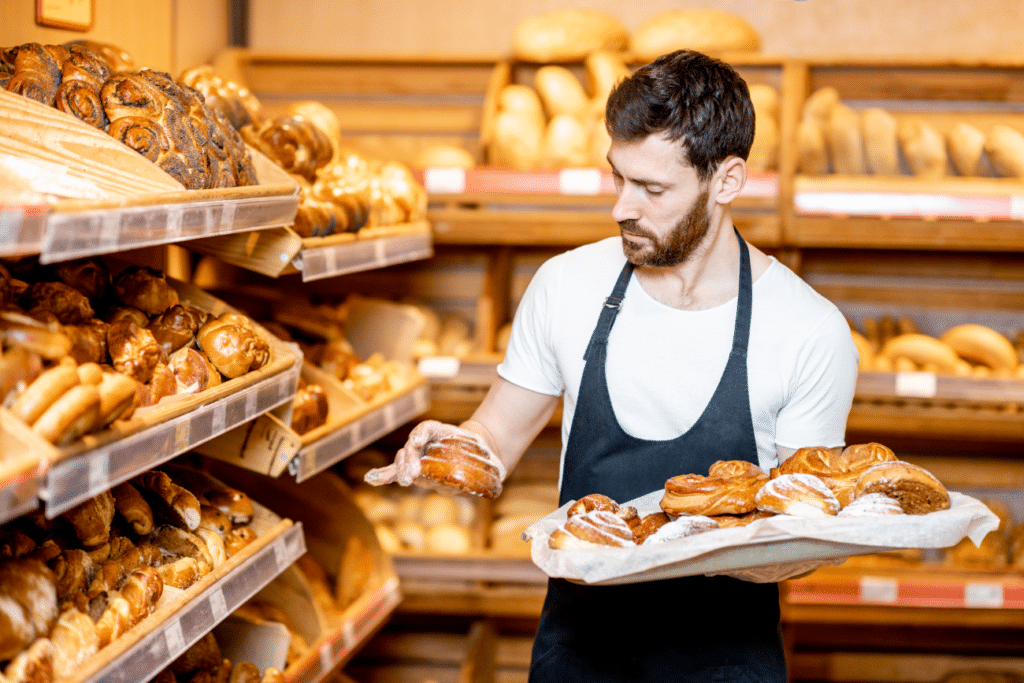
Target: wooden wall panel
<point x="787" y="27"/>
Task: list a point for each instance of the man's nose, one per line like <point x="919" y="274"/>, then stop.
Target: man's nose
<point x="626" y="207"/>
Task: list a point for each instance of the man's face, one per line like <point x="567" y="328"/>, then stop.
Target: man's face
<point x="662" y="207"/>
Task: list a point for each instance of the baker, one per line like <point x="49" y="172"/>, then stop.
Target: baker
<point x="672" y="346"/>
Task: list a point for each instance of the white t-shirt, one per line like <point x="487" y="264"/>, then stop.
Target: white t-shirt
<point x="664" y="364"/>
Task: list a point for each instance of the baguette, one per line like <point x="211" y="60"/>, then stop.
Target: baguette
<point x="844" y="140"/>
<point x="812" y="150"/>
<point x="75" y="640"/>
<point x="924" y="148"/>
<point x="966" y="145"/>
<point x="1005" y="147"/>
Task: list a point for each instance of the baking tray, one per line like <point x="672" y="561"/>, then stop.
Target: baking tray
<point x="777" y="540"/>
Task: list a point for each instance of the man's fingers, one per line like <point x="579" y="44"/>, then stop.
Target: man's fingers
<point x="381" y="475"/>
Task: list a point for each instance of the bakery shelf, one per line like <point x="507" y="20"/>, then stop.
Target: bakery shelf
<point x="362" y="620"/>
<point x="102" y="460"/>
<point x="157" y="641"/>
<point x="23" y="462"/>
<point x="22" y="228"/>
<point x="940" y="388"/>
<point x="375" y="421"/>
<point x="281" y="251"/>
<point x="474" y="566"/>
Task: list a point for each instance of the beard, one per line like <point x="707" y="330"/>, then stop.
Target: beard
<point x="677" y="246"/>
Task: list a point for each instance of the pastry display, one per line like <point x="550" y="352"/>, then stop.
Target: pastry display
<point x="203" y="661"/>
<point x="81" y="581"/>
<point x="88" y="348"/>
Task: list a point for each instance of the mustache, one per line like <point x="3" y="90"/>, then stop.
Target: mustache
<point x="630" y="225"/>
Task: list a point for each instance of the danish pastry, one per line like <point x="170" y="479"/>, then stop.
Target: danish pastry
<point x="729" y="489"/>
<point x="801" y="495"/>
<point x="595" y="528"/>
<point x="915" y="488"/>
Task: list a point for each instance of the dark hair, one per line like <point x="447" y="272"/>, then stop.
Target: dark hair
<point x="693" y="98"/>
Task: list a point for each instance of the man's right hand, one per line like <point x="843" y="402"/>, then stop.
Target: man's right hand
<point x="406" y="468"/>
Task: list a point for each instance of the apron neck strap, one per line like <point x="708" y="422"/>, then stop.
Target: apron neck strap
<point x="610" y="309"/>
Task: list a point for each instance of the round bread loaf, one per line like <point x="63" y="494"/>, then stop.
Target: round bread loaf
<point x="916" y="489"/>
<point x="705" y="30"/>
<point x="461" y="462"/>
<point x="567" y="35"/>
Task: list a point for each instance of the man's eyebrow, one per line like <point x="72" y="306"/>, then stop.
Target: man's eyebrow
<point x="640" y="181"/>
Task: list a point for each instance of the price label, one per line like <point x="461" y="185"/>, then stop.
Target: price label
<point x="878" y="589"/>
<point x="978" y="594"/>
<point x="10" y="227"/>
<point x="439" y="366"/>
<point x="579" y="181"/>
<point x="227" y="217"/>
<point x="444" y="180"/>
<point x="175" y="639"/>
<point x="99" y="472"/>
<point x="181" y="436"/>
<point x="280" y="557"/>
<point x="1017" y="208"/>
<point x="174" y="222"/>
<point x="110" y="229"/>
<point x="916" y="384"/>
<point x="219" y="418"/>
<point x="218" y="605"/>
<point x="349" y="632"/>
<point x="326" y="660"/>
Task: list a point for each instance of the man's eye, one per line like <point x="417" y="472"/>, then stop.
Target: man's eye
<point x="655" y="192"/>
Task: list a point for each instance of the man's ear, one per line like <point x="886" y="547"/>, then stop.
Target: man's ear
<point x="730" y="179"/>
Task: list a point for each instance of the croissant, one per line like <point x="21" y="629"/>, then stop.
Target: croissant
<point x="91" y="520"/>
<point x="729" y="489"/>
<point x="142" y="589"/>
<point x="170" y="502"/>
<point x="130" y="504"/>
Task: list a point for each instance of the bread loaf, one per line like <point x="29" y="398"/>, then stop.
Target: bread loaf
<point x="765" y="149"/>
<point x="705" y="30"/>
<point x="518" y="142"/>
<point x="845" y="143"/>
<point x="819" y="105"/>
<point x="565" y="35"/>
<point x="880" y="145"/>
<point x="604" y="70"/>
<point x="74" y="640"/>
<point x="924" y="148"/>
<point x="560" y="92"/>
<point x="1005" y="147"/>
<point x="566" y="144"/>
<point x="812" y="150"/>
<point x="966" y="145"/>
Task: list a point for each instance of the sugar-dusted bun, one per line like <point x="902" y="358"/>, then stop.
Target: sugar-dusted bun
<point x="730" y="494"/>
<point x="837" y="472"/>
<point x="916" y="489"/>
<point x="801" y="495"/>
<point x="595" y="528"/>
<point x="681" y="527"/>
<point x="648" y="525"/>
<point x="461" y="462"/>
<point x="870" y="505"/>
<point x="593" y="501"/>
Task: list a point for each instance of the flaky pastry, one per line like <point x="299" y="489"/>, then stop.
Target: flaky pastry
<point x="729" y="489"/>
<point x="592" y="529"/>
<point x="801" y="495"/>
<point x="461" y="462"/>
<point x="916" y="489"/>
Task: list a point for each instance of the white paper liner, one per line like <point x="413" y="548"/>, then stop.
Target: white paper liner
<point x="770" y="541"/>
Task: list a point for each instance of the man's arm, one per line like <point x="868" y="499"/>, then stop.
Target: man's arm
<point x="510" y="418"/>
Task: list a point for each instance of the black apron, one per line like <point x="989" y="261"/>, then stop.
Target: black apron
<point x="695" y="628"/>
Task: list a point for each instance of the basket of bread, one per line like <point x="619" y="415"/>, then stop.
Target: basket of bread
<point x="818" y="507"/>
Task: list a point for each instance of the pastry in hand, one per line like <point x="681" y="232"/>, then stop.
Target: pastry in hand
<point x="595" y="529"/>
<point x="729" y="489"/>
<point x="800" y="495"/>
<point x="462" y="463"/>
<point x="916" y="489"/>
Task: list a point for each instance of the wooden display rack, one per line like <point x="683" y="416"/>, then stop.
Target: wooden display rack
<point x="905" y="212"/>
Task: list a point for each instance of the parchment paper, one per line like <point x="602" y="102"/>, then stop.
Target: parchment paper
<point x="770" y="541"/>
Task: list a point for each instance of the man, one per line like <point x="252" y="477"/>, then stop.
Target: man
<point x="672" y="347"/>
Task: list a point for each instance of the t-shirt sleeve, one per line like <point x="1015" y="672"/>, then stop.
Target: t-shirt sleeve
<point x="530" y="360"/>
<point x="822" y="389"/>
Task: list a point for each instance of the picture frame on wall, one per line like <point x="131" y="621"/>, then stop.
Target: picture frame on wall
<point x="72" y="15"/>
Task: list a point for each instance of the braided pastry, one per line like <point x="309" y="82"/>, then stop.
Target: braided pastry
<point x="235" y="102"/>
<point x="594" y="528"/>
<point x="729" y="489"/>
<point x="293" y="142"/>
<point x="460" y="462"/>
<point x="801" y="495"/>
